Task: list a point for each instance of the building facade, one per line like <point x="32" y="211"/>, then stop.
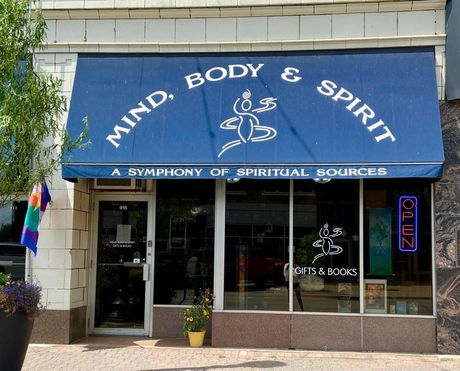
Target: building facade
<point x="372" y="238"/>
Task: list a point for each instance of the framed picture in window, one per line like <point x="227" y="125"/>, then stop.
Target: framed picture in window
<point x="375" y="296"/>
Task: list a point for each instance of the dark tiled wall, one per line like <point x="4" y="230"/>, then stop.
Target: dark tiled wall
<point x="447" y="227"/>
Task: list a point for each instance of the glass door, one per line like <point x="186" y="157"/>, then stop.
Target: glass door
<point x="122" y="266"/>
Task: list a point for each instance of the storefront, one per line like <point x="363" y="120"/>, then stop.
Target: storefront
<point x="224" y="170"/>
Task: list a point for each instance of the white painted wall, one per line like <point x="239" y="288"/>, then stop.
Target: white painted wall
<point x="247" y="28"/>
<point x="325" y="26"/>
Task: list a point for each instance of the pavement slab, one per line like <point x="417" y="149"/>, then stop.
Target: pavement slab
<point x="141" y="354"/>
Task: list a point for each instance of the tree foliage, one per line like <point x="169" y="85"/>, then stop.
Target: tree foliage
<point x="32" y="138"/>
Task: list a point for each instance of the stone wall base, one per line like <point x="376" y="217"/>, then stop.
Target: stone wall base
<point x="59" y="326"/>
<point x="317" y="332"/>
<point x="167" y="323"/>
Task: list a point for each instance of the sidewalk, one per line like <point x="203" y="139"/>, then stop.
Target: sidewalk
<point x="129" y="353"/>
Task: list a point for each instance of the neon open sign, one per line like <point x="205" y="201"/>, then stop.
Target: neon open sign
<point x="407" y="224"/>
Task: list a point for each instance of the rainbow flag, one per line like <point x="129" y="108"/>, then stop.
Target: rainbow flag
<point x="38" y="201"/>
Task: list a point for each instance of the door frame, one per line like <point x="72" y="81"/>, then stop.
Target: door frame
<point x="148" y="308"/>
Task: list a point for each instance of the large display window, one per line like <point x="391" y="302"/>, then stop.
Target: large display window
<point x="398" y="247"/>
<point x="355" y="246"/>
<point x="256" y="245"/>
<point x="184" y="245"/>
<point x="353" y="251"/>
<point x="326" y="246"/>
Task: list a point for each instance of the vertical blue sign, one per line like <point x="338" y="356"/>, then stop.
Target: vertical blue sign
<point x="407" y="224"/>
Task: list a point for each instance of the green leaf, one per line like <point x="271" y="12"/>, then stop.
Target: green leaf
<point x="32" y="137"/>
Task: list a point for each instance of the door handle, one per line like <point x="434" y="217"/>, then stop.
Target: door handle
<point x="146" y="271"/>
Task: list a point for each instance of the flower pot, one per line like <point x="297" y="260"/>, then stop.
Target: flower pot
<point x="14" y="341"/>
<point x="196" y="338"/>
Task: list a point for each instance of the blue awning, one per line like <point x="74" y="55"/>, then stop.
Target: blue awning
<point x="347" y="114"/>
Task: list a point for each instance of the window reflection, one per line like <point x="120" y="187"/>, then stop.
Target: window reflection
<point x="256" y="245"/>
<point x="12" y="253"/>
<point x="184" y="246"/>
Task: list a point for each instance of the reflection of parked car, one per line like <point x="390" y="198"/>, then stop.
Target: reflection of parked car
<point x="258" y="268"/>
<point x="13" y="259"/>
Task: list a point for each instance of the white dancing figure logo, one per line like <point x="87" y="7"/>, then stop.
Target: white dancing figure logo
<point x="246" y="123"/>
<point x="326" y="243"/>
